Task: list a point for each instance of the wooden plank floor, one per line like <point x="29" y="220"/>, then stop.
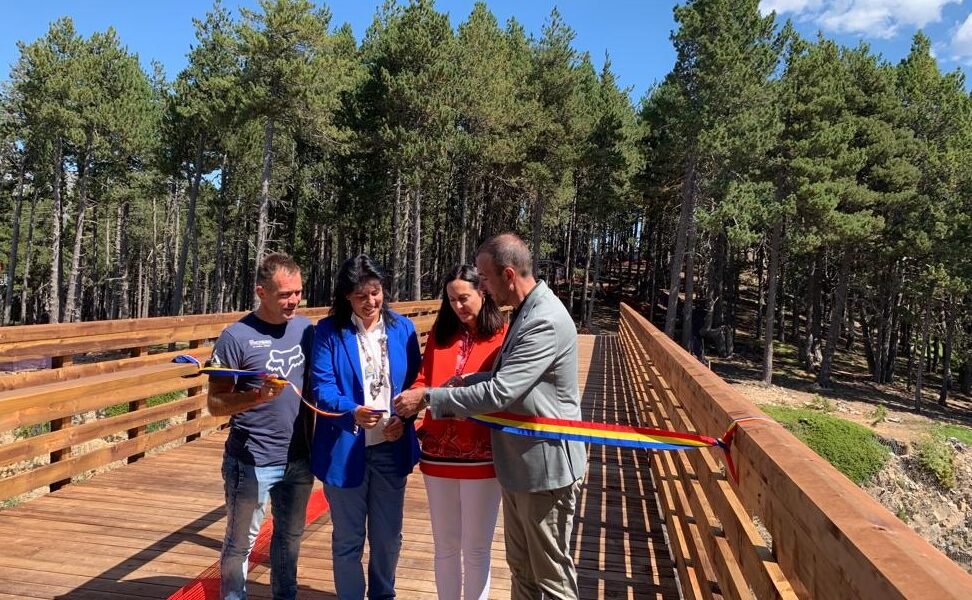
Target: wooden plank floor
<point x="147" y="529"/>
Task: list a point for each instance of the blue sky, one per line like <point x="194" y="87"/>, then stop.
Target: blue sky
<point x="634" y="32"/>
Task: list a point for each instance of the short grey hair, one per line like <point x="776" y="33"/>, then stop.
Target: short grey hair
<point x="508" y="250"/>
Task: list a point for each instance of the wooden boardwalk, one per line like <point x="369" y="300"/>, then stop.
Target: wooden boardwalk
<point x="148" y="529"/>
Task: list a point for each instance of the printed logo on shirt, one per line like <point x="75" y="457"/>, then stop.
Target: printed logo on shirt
<point x="261" y="343"/>
<point x="283" y="362"/>
<point x="215" y="361"/>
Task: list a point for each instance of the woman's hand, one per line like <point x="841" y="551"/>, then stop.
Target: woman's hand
<point x="365" y="417"/>
<point x="394" y="429"/>
<point x="409" y="402"/>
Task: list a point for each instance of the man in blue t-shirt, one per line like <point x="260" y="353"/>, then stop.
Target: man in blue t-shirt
<point x="266" y="455"/>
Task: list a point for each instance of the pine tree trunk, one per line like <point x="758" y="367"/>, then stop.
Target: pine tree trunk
<point x="909" y="330"/>
<point x="656" y="266"/>
<point x="263" y="215"/>
<point x="28" y="254"/>
<point x="920" y="371"/>
<point x="103" y="300"/>
<point x="587" y="276"/>
<point x="171" y="232"/>
<point x="537" y="218"/>
<point x="760" y="291"/>
<point x="14" y="246"/>
<point x="417" y="246"/>
<point x="121" y="263"/>
<point x="836" y="319"/>
<point x="775" y="248"/>
<point x="592" y="298"/>
<point x="71" y="309"/>
<point x="571" y="251"/>
<point x="965" y="376"/>
<point x="809" y="350"/>
<point x="464" y="225"/>
<point x="218" y="288"/>
<point x="891" y="350"/>
<point x="396" y="225"/>
<point x="781" y="302"/>
<point x="951" y="324"/>
<point x="197" y="309"/>
<point x="870" y="350"/>
<point x="239" y="263"/>
<point x="685" y="219"/>
<point x="717" y="301"/>
<point x="189" y="237"/>
<point x="850" y="328"/>
<point x="57" y="220"/>
<point x="689" y="303"/>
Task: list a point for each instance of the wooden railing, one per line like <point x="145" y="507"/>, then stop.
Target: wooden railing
<point x="792" y="526"/>
<point x="124" y="399"/>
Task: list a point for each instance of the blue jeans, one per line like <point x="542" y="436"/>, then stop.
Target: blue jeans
<point x="377" y="502"/>
<point x="247" y="490"/>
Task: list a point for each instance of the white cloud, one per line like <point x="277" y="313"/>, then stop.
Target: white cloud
<point x="872" y="18"/>
<point x="961" y="44"/>
<point x="796" y="7"/>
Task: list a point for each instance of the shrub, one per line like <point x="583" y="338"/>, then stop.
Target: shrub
<point x="879" y="415"/>
<point x="937" y="458"/>
<point x="853" y="449"/>
<point x="959" y="432"/>
<point x="822" y="404"/>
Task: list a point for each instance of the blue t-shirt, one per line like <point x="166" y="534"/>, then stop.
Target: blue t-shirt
<point x="275" y="432"/>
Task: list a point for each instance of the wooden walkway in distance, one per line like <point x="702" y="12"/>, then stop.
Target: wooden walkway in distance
<point x="147" y="529"/>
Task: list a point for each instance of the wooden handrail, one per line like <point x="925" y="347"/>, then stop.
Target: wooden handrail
<point x="65" y="340"/>
<point x="829" y="538"/>
<point x="73" y="399"/>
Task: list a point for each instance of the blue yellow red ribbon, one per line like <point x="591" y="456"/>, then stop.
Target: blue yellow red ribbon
<point x="593" y="433"/>
<point x="606" y="434"/>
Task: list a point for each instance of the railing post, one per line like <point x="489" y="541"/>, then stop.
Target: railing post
<point x="194" y="414"/>
<point x="133" y="406"/>
<point x="58" y="362"/>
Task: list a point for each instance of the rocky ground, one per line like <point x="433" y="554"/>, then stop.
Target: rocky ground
<point x="941" y="516"/>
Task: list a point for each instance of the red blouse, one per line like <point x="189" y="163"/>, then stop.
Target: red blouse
<point x="452" y="448"/>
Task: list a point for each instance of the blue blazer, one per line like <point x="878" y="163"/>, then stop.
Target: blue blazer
<point x="338" y="453"/>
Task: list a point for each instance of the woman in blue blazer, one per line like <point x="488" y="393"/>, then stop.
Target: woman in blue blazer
<point x="364" y="355"/>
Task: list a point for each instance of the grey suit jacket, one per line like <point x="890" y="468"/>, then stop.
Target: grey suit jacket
<point x="535" y="374"/>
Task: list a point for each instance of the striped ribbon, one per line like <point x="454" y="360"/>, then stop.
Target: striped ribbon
<point x="605" y="434"/>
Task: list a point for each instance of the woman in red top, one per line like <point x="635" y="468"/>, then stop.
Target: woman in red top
<point x="457" y="458"/>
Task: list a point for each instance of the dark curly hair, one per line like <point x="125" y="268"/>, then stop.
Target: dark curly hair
<point x="353" y="273"/>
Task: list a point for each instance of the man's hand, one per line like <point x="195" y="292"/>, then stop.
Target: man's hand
<point x="409" y="402"/>
<point x="394" y="429"/>
<point x="272" y="387"/>
<point x="455" y="381"/>
<point x="365" y="417"/>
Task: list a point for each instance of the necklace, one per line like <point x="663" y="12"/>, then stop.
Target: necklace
<point x="375" y="368"/>
<point x="465" y="349"/>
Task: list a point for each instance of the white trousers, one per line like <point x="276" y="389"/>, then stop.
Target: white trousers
<point x="463" y="519"/>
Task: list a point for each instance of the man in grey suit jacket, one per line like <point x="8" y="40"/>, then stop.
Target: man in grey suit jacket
<point x="534" y="374"/>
